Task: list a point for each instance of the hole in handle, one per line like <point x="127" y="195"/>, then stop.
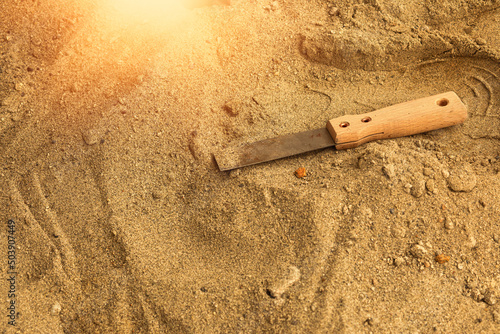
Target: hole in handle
<point x="366" y="119"/>
<point x="442" y="102"/>
<point x="344" y="124"/>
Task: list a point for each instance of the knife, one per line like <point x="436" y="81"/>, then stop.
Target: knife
<point x="349" y="131"/>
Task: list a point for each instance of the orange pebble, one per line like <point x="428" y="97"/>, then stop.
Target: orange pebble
<point x="441" y="258"/>
<point x="301" y="172"/>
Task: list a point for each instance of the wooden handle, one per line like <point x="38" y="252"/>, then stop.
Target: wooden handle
<point x="404" y="119"/>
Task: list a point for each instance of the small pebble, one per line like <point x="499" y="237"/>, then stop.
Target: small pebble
<point x="462" y="181"/>
<point x="283" y="283"/>
<point x="496" y="238"/>
<point x="480" y="41"/>
<point x="476" y="294"/>
<point x="428" y="171"/>
<point x="489" y="297"/>
<point x="418" y="188"/>
<point x="448" y="223"/>
<point x="90" y="137"/>
<point x="389" y="171"/>
<point x="300" y="173"/>
<point x="398" y="232"/>
<point x="430" y="184"/>
<point x="56" y="309"/>
<point x="441" y="258"/>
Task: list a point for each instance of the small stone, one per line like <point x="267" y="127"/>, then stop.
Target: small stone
<point x="389" y="171"/>
<point x="56" y="309"/>
<point x="399" y="261"/>
<point x="489" y="297"/>
<point x="480" y="41"/>
<point x="284" y="282"/>
<point x="441" y="258"/>
<point x="462" y="181"/>
<point x="418" y="189"/>
<point x="449" y="224"/>
<point x="430" y="184"/>
<point x="476" y="294"/>
<point x="496" y="238"/>
<point x="90" y="137"/>
<point x="398" y="232"/>
<point x="428" y="171"/>
<point x="460" y="266"/>
<point x="300" y="172"/>
<point x="445" y="173"/>
<point x="418" y="251"/>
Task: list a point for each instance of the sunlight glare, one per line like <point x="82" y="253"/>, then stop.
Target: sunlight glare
<point x="150" y="10"/>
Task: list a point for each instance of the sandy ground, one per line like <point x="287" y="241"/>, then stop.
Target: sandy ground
<point x="124" y="224"/>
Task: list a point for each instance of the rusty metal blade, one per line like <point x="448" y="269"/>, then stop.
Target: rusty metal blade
<point x="274" y="148"/>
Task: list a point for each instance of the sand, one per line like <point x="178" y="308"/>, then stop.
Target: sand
<point x="124" y="224"/>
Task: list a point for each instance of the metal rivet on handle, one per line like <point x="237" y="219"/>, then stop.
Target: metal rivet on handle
<point x="344" y="124"/>
<point x="366" y="119"/>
